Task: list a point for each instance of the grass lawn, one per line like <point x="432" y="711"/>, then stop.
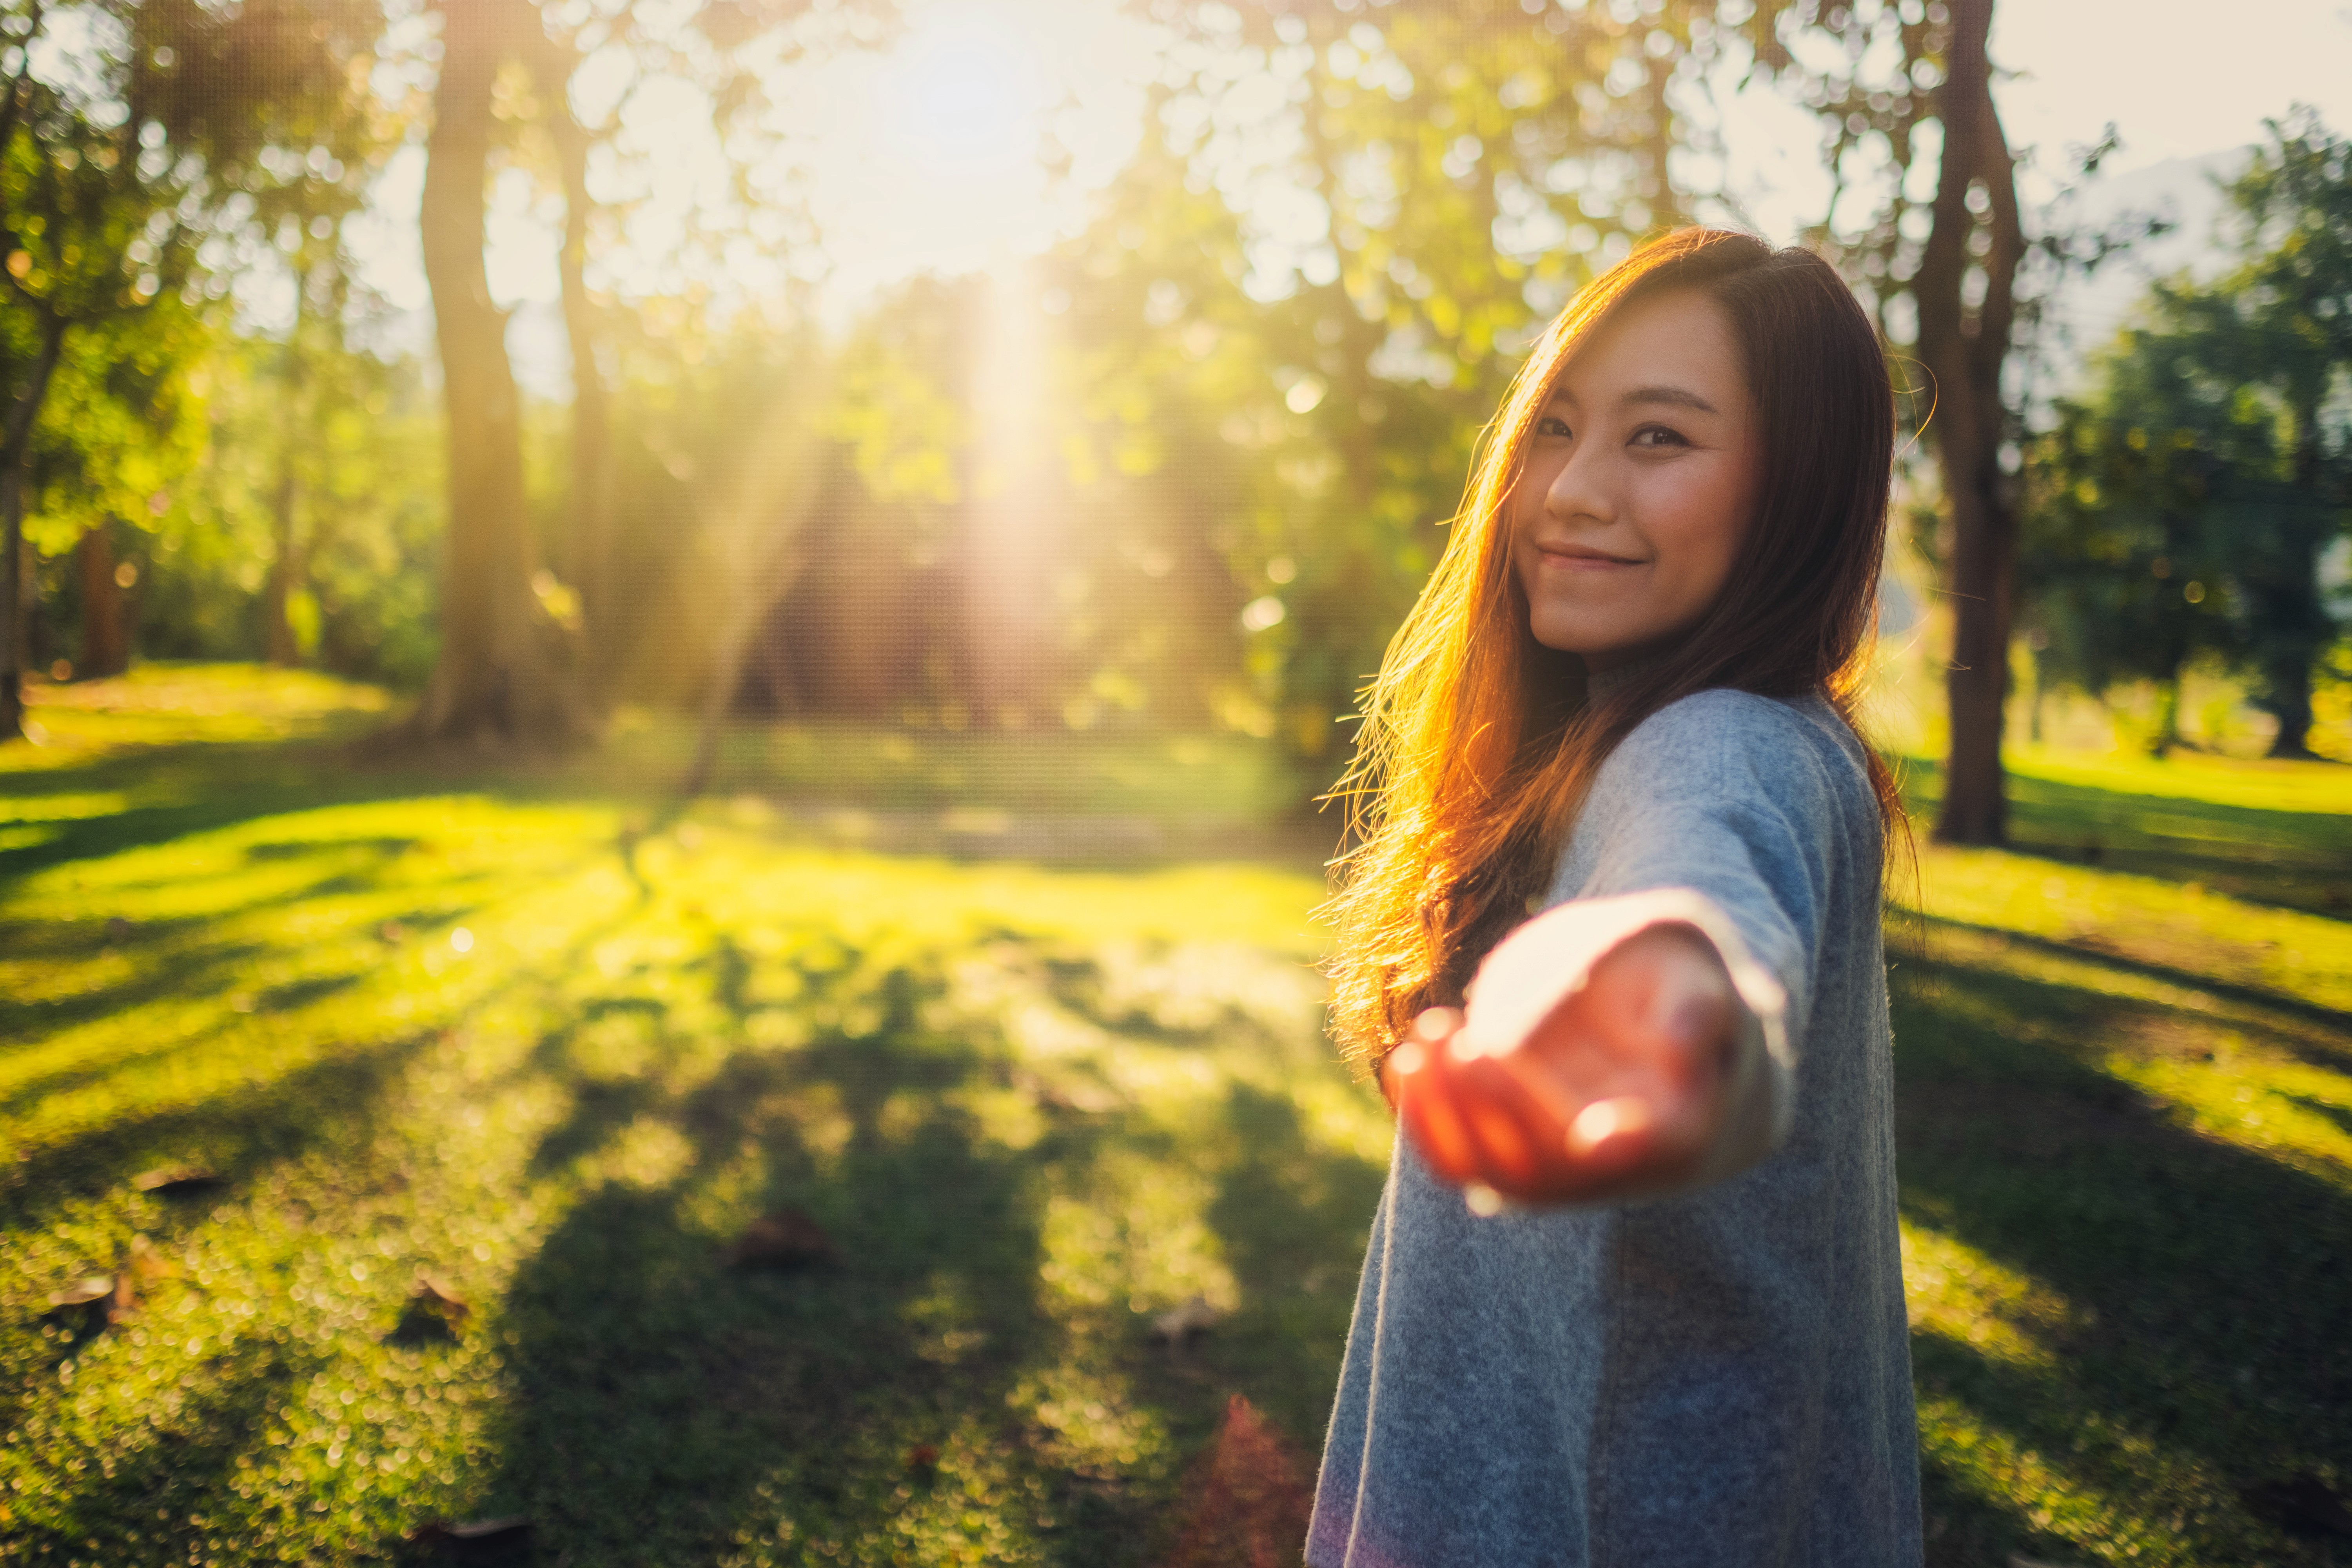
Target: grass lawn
<point x="1030" y="1030"/>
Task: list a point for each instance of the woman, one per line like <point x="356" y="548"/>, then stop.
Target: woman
<point x="1633" y="1292"/>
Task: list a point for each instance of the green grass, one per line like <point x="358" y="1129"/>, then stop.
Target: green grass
<point x="2274" y="832"/>
<point x="1030" y="1027"/>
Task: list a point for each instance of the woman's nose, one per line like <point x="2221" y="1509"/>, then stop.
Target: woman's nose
<point x="1580" y="488"/>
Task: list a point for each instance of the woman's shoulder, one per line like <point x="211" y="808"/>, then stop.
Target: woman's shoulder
<point x="1794" y="747"/>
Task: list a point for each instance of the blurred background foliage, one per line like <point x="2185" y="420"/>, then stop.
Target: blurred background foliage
<point x="2188" y="503"/>
<point x="1185" y="467"/>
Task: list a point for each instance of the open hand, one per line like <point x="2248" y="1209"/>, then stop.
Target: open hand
<point x="1616" y="1090"/>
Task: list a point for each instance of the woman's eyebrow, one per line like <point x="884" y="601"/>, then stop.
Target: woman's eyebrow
<point x="1678" y="396"/>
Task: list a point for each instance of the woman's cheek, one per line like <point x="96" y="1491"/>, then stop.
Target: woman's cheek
<point x="1696" y="529"/>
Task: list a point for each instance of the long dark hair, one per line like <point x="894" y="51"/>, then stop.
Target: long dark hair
<point x="1478" y="743"/>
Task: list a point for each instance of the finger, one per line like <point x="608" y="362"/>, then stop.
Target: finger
<point x="1652" y="1125"/>
<point x="1430" y="1029"/>
<point x="1613" y="1135"/>
<point x="1426" y="1107"/>
<point x="1613" y="1123"/>
<point x="1517" y="1136"/>
<point x="1562" y="1081"/>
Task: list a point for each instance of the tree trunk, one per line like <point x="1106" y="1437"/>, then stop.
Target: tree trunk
<point x="1658" y="191"/>
<point x="718" y="702"/>
<point x="766" y="527"/>
<point x="2168" y="717"/>
<point x="2290" y="605"/>
<point x="15" y="461"/>
<point x="277" y="630"/>
<point x="104" y="648"/>
<point x="495" y="681"/>
<point x="2289" y="700"/>
<point x="1964" y="349"/>
<point x="29" y="644"/>
<point x="588" y="562"/>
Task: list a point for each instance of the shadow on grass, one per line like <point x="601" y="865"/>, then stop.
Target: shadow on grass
<point x="187" y="971"/>
<point x="202" y="789"/>
<point x="2107" y="957"/>
<point x="671" y="1409"/>
<point x="2206" y="1283"/>
<point x="333" y="1100"/>
<point x="1295" y="1221"/>
<point x="232" y="1134"/>
<point x="668" y="1403"/>
<point x="2297" y="860"/>
<point x="201" y="972"/>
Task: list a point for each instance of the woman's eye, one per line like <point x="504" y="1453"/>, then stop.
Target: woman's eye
<point x="1552" y="425"/>
<point x="1655" y="436"/>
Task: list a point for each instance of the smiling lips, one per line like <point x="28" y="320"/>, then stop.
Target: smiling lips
<point x="1583" y="558"/>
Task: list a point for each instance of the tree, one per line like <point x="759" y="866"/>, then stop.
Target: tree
<point x="203" y="495"/>
<point x="1447" y="176"/>
<point x="1474" y="163"/>
<point x="1903" y="90"/>
<point x="588" y="559"/>
<point x="304" y="213"/>
<point x="152" y="135"/>
<point x="1975" y="244"/>
<point x="2280" y="328"/>
<point x="2186" y="502"/>
<point x="767" y="485"/>
<point x="121" y="428"/>
<point x="2122" y="568"/>
<point x="497" y="678"/>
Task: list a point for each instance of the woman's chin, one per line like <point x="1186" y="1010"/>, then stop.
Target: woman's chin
<point x="1598" y="649"/>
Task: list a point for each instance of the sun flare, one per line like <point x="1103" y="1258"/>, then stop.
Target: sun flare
<point x="966" y="90"/>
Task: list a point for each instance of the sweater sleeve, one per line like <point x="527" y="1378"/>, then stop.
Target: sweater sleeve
<point x="1718" y="814"/>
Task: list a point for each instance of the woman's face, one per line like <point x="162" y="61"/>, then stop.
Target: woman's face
<point x="1638" y="483"/>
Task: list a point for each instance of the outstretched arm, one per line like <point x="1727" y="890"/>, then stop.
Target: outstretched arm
<point x="1595" y="1062"/>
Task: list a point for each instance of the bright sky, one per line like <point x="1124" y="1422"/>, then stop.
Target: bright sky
<point x="926" y="155"/>
<point x="2177" y="79"/>
<point x="2176" y="82"/>
<point x="931" y="152"/>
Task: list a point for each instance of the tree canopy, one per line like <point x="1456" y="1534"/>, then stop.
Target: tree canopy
<point x="1186" y="463"/>
<point x="2187" y="502"/>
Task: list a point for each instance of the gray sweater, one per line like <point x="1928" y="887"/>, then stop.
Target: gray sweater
<point x="1714" y="1376"/>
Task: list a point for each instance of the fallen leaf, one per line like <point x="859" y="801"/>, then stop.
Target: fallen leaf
<point x="436" y="1295"/>
<point x="178" y="1180"/>
<point x="103" y="1299"/>
<point x="1246" y="1505"/>
<point x="479" y="1530"/>
<point x="2019" y="1560"/>
<point x="435" y="1312"/>
<point x="1081" y="1099"/>
<point x="82" y="1292"/>
<point x="116" y="928"/>
<point x="787" y="1238"/>
<point x="149" y="1264"/>
<point x="393" y="932"/>
<point x="1180" y="1325"/>
<point x="2300" y="1502"/>
<point x="923" y="1456"/>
